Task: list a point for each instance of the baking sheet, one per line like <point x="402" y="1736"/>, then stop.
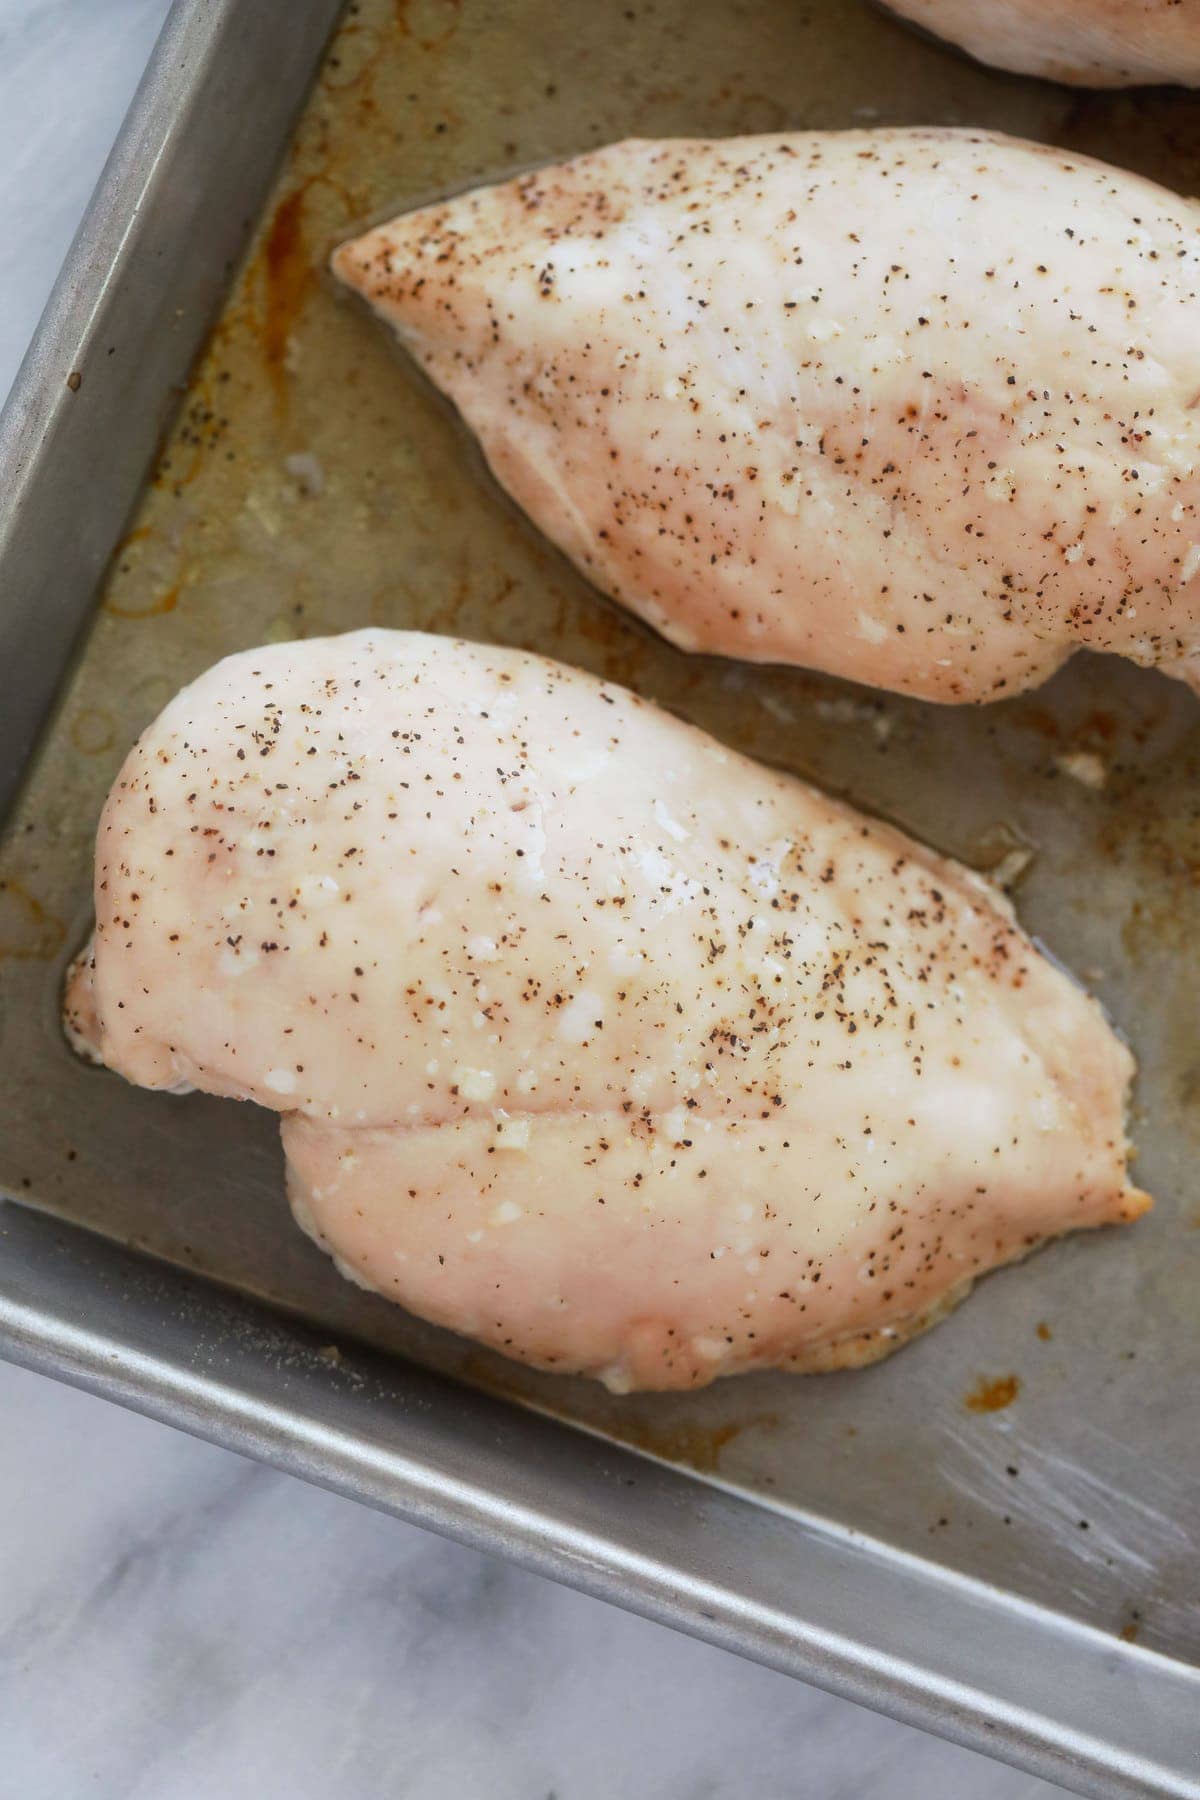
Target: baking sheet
<point x="1045" y="1439"/>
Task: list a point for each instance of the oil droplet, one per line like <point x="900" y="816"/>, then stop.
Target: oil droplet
<point x="92" y="731"/>
<point x="993" y="1395"/>
<point x="151" y="694"/>
<point x="148" y="606"/>
<point x="437" y="22"/>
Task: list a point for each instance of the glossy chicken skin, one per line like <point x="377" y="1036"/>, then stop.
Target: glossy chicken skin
<point x="913" y="407"/>
<point x="1090" y="43"/>
<point x="593" y="1040"/>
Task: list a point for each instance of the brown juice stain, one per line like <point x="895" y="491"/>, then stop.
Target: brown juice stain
<point x="137" y="536"/>
<point x="165" y="602"/>
<point x="608" y="630"/>
<point x="1044" y="1331"/>
<point x="453" y="8"/>
<point x="28" y="933"/>
<point x="353" y="59"/>
<point x="1100" y="725"/>
<point x="700" y="1447"/>
<point x="1039" y="720"/>
<point x="696" y="1446"/>
<point x="146" y="598"/>
<point x="287" y="270"/>
<point x="988" y="1396"/>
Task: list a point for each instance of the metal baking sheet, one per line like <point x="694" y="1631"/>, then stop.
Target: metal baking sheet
<point x="996" y="1533"/>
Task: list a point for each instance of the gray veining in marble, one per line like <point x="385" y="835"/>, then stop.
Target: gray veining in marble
<point x="176" y="1623"/>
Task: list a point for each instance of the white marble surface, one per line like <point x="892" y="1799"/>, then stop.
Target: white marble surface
<point x="176" y="1623"/>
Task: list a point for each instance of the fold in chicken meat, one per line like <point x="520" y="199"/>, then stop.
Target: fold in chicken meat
<point x="1090" y="43"/>
<point x="592" y="1039"/>
<point x="914" y="407"/>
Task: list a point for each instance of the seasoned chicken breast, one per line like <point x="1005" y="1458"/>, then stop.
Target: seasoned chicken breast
<point x="591" y="1039"/>
<point x="1091" y="43"/>
<point x="914" y="407"/>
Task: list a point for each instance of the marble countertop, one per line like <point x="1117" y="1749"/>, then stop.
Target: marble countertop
<point x="178" y="1623"/>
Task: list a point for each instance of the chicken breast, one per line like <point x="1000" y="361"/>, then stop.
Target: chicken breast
<point x="1090" y="43"/>
<point x="591" y="1039"/>
<point x="913" y="407"/>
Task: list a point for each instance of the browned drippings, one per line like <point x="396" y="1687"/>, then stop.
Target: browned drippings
<point x="1102" y="725"/>
<point x="286" y="270"/>
<point x="992" y="1394"/>
<point x="286" y="265"/>
<point x="699" y="1446"/>
<point x="1044" y="1331"/>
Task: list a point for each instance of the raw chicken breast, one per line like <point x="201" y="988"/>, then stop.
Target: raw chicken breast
<point x="592" y="1040"/>
<point x="913" y="407"/>
<point x="1092" y="43"/>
